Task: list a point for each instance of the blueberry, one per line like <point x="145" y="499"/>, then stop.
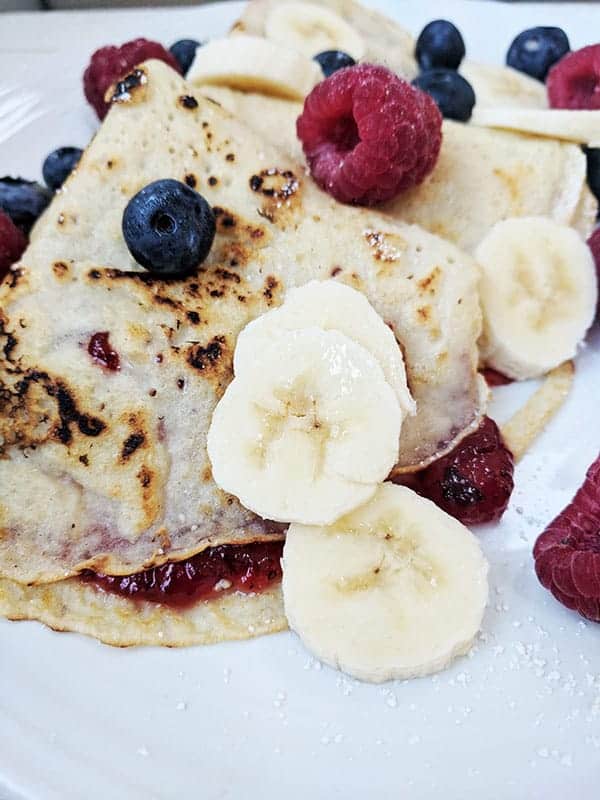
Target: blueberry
<point x="332" y="60"/>
<point x="169" y="228"/>
<point x="183" y="52"/>
<point x="535" y="50"/>
<point x="59" y="165"/>
<point x="23" y="200"/>
<point x="593" y="170"/>
<point x="440" y="44"/>
<point x="453" y="94"/>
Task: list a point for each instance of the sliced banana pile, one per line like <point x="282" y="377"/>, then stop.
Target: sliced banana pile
<point x="579" y="126"/>
<point x="312" y="29"/>
<point x="538" y="294"/>
<point x="310" y="425"/>
<point x="254" y="64"/>
<point x="396" y="589"/>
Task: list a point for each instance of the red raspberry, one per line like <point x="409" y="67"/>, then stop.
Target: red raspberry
<point x="574" y="82"/>
<point x="567" y="553"/>
<point x="109" y="64"/>
<point x="475" y="481"/>
<point x="368" y="135"/>
<point x="12" y="243"/>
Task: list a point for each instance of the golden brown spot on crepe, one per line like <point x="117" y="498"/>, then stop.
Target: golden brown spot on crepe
<point x="193" y="317"/>
<point x="335" y="271"/>
<point x="213" y="360"/>
<point x="130" y="89"/>
<point x="271" y="285"/>
<point x="238" y="27"/>
<point x="429" y="283"/>
<point x="206" y="474"/>
<point x="212" y="181"/>
<point x="60" y="269"/>
<point x="424" y="313"/>
<point x="13" y="277"/>
<point x="512" y="184"/>
<point x="280" y="190"/>
<point x="131" y="444"/>
<point x="230" y="157"/>
<point x="84" y="459"/>
<point x="110" y="163"/>
<point x="387" y="247"/>
<point x="225" y="219"/>
<point x="190" y="180"/>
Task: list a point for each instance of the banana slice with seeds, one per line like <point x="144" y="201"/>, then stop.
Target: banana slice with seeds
<point x="329" y="305"/>
<point x="311" y="29"/>
<point x="397" y="589"/>
<point x="308" y="432"/>
<point x="538" y="294"/>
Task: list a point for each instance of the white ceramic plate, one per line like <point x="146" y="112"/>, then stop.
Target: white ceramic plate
<point x="518" y="719"/>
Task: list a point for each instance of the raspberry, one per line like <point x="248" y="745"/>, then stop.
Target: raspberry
<point x="567" y="553"/>
<point x="368" y="135"/>
<point x="474" y="482"/>
<point x="12" y="243"/>
<point x="574" y="82"/>
<point x="110" y="63"/>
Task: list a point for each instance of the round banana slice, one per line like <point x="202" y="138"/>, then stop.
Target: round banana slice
<point x="579" y="126"/>
<point x="254" y="64"/>
<point x="538" y="294"/>
<point x="329" y="305"/>
<point x="311" y="29"/>
<point x="397" y="589"/>
<point x="309" y="432"/>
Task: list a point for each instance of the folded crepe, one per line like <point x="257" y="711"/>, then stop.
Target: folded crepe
<point x="482" y="175"/>
<point x="109" y="470"/>
<point x="386" y="42"/>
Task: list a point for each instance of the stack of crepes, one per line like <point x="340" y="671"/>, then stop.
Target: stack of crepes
<point x="75" y="494"/>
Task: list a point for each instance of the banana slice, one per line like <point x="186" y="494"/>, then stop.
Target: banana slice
<point x="581" y="127"/>
<point x="503" y="86"/>
<point x="254" y="64"/>
<point x="308" y="433"/>
<point x="329" y="305"/>
<point x="397" y="589"/>
<point x="538" y="294"/>
<point x="311" y="29"/>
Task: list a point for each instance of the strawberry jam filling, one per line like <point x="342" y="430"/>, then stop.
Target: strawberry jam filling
<point x="216" y="571"/>
<point x="103" y="352"/>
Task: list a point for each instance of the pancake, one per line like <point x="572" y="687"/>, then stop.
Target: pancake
<point x="72" y="605"/>
<point x="482" y="175"/>
<point x="109" y="470"/>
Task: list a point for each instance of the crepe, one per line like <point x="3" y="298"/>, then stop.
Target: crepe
<point x="482" y="176"/>
<point x="109" y="470"/>
<point x="72" y="605"/>
<point x="388" y="43"/>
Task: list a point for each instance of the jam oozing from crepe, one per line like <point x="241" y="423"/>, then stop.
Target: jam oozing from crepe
<point x="217" y="570"/>
<point x="103" y="352"/>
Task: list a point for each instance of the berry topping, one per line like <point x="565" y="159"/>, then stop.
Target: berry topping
<point x="12" y="243"/>
<point x="495" y="378"/>
<point x="574" y="82"/>
<point x="59" y="165"/>
<point x="368" y="135"/>
<point x="102" y="351"/>
<point x="23" y="201"/>
<point x="474" y="482"/>
<point x="184" y="52"/>
<point x="109" y="64"/>
<point x="593" y="170"/>
<point x="215" y="571"/>
<point x="535" y="50"/>
<point x="169" y="228"/>
<point x="440" y="44"/>
<point x="453" y="93"/>
<point x="567" y="553"/>
<point x="594" y="245"/>
<point x="332" y="60"/>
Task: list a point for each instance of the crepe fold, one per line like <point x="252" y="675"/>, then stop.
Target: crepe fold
<point x="109" y="470"/>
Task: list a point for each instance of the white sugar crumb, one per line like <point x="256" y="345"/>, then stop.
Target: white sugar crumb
<point x="143" y="751"/>
<point x="222" y="584"/>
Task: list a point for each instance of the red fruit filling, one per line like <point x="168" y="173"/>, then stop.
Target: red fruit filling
<point x="109" y="64"/>
<point x="12" y="243"/>
<point x="567" y="553"/>
<point x="102" y="351"/>
<point x="574" y="82"/>
<point x="475" y="481"/>
<point x="594" y="245"/>
<point x="368" y="135"/>
<point x="495" y="378"/>
<point x="212" y="573"/>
